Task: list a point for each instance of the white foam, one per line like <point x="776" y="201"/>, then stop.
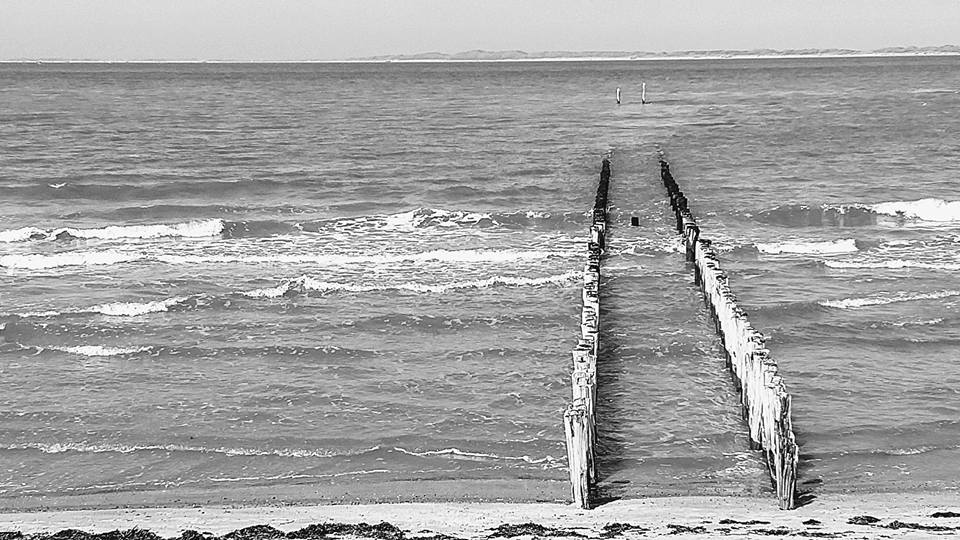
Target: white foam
<point x="39" y="314"/>
<point x="100" y="350"/>
<point x="922" y="209"/>
<point x="271" y="292"/>
<point x="418" y="218"/>
<point x="849" y="303"/>
<point x="892" y="265"/>
<point x="451" y="256"/>
<point x="461" y="454"/>
<point x="190" y="229"/>
<point x="133" y="309"/>
<point x="909" y="451"/>
<point x="59" y="448"/>
<point x="21" y="235"/>
<point x="75" y="258"/>
<point x="295" y="476"/>
<point x="307" y="283"/>
<point x="929" y="322"/>
<point x="645" y="247"/>
<point x="79" y="258"/>
<point x="846" y="245"/>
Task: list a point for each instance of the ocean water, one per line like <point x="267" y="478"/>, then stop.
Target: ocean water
<point x="225" y="277"/>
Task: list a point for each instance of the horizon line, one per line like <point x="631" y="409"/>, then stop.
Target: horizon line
<point x="492" y="60"/>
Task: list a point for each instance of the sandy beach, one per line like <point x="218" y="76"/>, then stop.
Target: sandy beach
<point x="920" y="515"/>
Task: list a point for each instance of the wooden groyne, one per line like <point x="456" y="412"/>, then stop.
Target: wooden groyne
<point x="766" y="403"/>
<point x="579" y="420"/>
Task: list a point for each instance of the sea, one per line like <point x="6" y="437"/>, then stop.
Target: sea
<point x="308" y="279"/>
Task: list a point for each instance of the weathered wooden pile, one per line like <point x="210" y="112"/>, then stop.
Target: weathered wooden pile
<point x="579" y="419"/>
<point x="766" y="403"/>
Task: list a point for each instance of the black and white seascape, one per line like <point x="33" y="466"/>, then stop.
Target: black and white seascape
<point x="281" y="278"/>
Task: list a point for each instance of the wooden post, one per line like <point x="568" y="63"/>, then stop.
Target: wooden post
<point x="579" y="420"/>
<point x="765" y="402"/>
<point x="575" y="426"/>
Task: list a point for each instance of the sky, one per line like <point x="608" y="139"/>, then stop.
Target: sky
<point x="284" y="30"/>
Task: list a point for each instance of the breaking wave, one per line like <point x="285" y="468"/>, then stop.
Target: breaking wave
<point x="442" y="255"/>
<point x="922" y="209"/>
<point x="849" y="303"/>
<point x="76" y="258"/>
<point x="306" y="284"/>
<point x="847" y="245"/>
<point x="190" y="229"/>
<point x="115" y="309"/>
<point x="895" y="264"/>
<point x="100" y="350"/>
<point x="133" y="309"/>
<point x="421" y="218"/>
<point x="110" y="257"/>
<point x="860" y="214"/>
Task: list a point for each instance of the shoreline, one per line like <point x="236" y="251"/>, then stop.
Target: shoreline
<point x="892" y="515"/>
<point x="472" y="491"/>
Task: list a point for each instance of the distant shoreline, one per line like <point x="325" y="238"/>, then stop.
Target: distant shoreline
<point x="505" y="60"/>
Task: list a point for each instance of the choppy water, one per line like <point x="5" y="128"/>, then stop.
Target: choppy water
<point x="226" y="276"/>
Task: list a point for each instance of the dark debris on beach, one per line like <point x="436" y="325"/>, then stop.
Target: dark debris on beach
<point x="534" y="529"/>
<point x="319" y="531"/>
<point x="611" y="530"/>
<point x="945" y="514"/>
<point x="388" y="531"/>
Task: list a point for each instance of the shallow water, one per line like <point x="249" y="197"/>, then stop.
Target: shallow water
<point x="265" y="275"/>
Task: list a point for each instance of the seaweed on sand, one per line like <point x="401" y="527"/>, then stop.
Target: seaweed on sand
<point x="678" y="529"/>
<point x="255" y="532"/>
<point x="616" y="529"/>
<point x="382" y="530"/>
<point x="511" y="530"/>
<point x="748" y="522"/>
<point x="896" y="524"/>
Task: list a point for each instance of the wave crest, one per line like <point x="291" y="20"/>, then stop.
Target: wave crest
<point x="847" y="245"/>
<point x="133" y="309"/>
<point x="82" y="258"/>
<point x="305" y="284"/>
<point x="848" y="303"/>
<point x="894" y="264"/>
<point x="100" y="350"/>
<point x="923" y="209"/>
<point x="189" y="229"/>
<point x="859" y="214"/>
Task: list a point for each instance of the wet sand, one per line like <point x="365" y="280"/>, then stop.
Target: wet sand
<point x="887" y="515"/>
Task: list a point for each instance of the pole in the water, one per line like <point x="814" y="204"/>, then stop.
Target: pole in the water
<point x="643" y="93"/>
<point x="618" y="95"/>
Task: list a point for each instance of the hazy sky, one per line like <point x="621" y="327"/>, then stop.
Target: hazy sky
<point x="327" y="29"/>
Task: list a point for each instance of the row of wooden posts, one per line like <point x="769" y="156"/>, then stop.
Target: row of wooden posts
<point x="766" y="403"/>
<point x="579" y="419"/>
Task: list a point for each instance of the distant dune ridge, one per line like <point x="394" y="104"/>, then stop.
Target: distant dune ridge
<point x="519" y="56"/>
<point x="480" y="55"/>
